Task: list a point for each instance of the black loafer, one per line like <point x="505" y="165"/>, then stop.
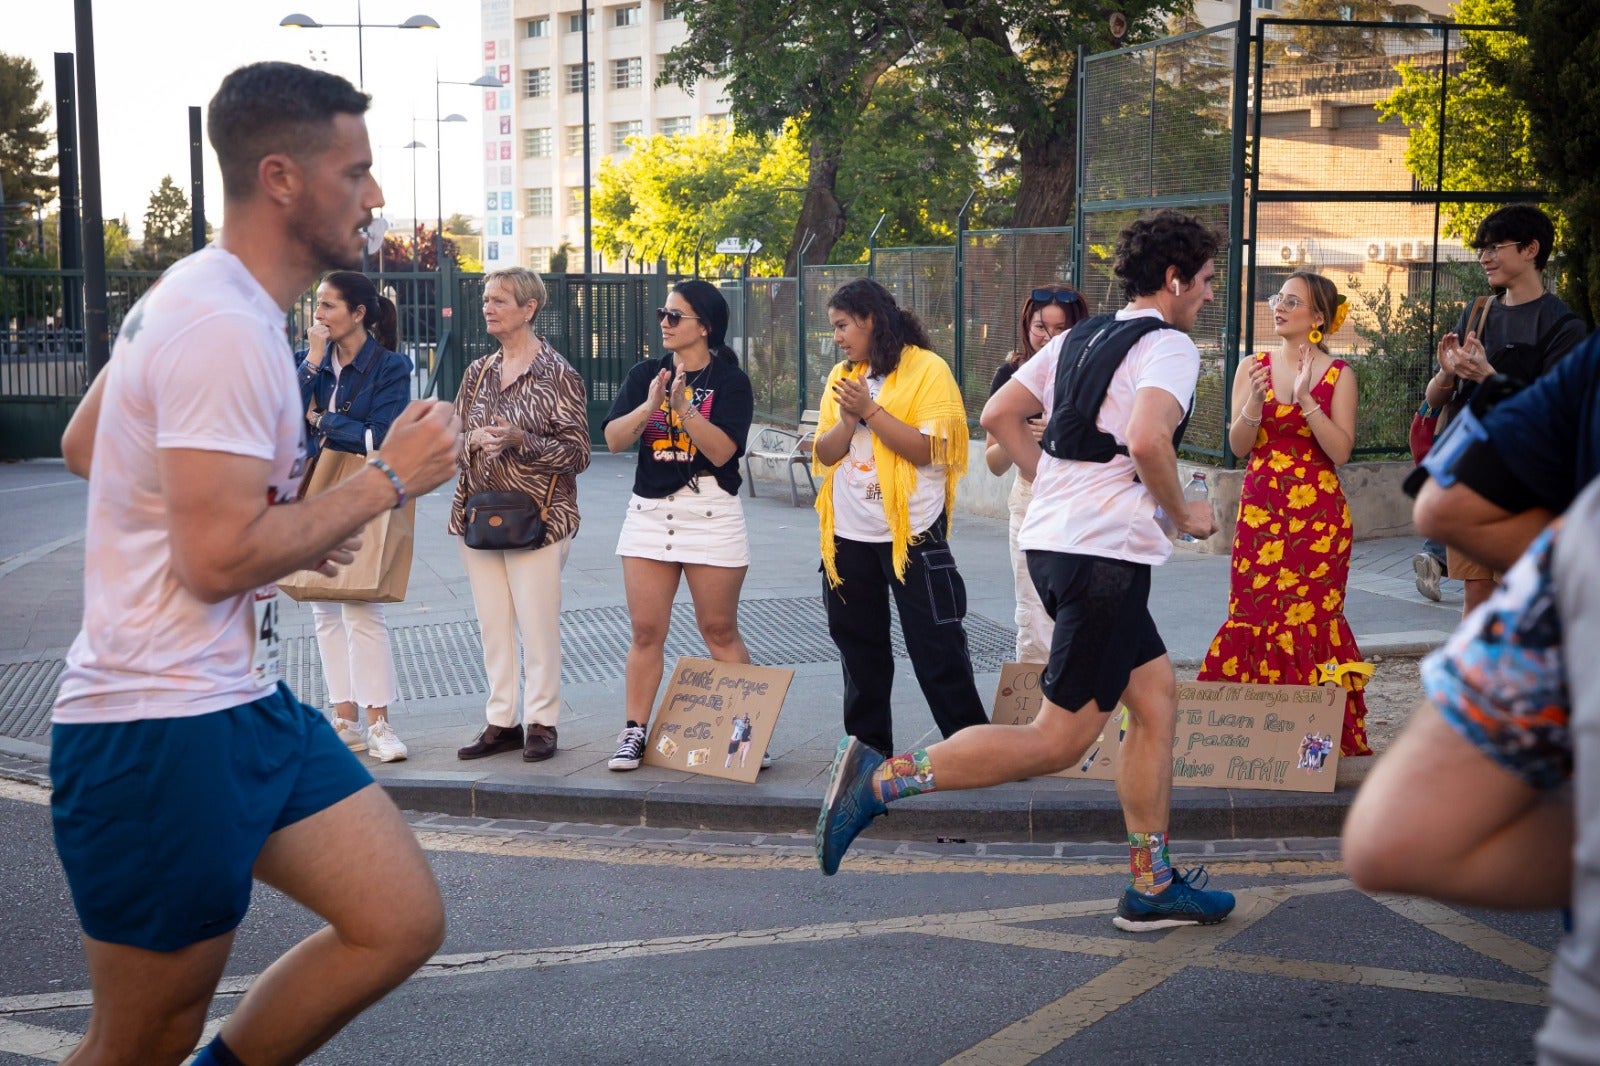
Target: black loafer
<point x="541" y="743"/>
<point x="492" y="741"/>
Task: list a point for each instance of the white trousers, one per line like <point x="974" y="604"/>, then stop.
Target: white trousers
<point x="357" y="662"/>
<point x="517" y="595"/>
<point x="1034" y="627"/>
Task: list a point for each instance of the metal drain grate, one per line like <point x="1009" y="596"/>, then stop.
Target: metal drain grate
<point x="438" y="660"/>
<point x="27" y="692"/>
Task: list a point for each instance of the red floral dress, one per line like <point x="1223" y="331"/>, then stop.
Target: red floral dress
<point x="1291" y="561"/>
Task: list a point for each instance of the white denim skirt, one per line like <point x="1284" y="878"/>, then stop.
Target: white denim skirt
<point x="704" y="527"/>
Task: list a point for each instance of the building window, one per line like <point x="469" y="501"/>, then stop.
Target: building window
<point x="627" y="16"/>
<point x="575" y="21"/>
<point x="540" y="203"/>
<point x="539" y="27"/>
<point x="537" y="144"/>
<point x="627" y="73"/>
<point x="621" y="131"/>
<point x="677" y="126"/>
<point x="575" y="73"/>
<point x="717" y="122"/>
<point x="575" y="139"/>
<point x="536" y="82"/>
<point x="671" y="9"/>
<point x="539" y="259"/>
<point x="575" y="201"/>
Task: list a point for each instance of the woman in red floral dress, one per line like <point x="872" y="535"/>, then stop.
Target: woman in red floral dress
<point x="1295" y="421"/>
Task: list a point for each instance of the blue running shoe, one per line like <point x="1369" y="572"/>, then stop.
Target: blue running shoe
<point x="1186" y="901"/>
<point x="850" y="803"/>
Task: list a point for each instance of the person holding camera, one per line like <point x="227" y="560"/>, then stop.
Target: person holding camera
<point x="527" y="438"/>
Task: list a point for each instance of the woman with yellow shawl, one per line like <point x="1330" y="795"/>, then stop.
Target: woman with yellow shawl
<point x="891" y="445"/>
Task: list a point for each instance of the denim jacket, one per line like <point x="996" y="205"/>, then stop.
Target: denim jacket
<point x="362" y="404"/>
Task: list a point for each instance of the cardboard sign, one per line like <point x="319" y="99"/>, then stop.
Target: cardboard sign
<point x="1273" y="737"/>
<point x="717" y="718"/>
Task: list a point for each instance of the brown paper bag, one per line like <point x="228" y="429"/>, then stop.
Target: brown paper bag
<point x="381" y="569"/>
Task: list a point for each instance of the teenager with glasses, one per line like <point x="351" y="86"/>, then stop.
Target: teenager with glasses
<point x="1046" y="314"/>
<point x="689" y="413"/>
<point x="1294" y="424"/>
<point x="1524" y="332"/>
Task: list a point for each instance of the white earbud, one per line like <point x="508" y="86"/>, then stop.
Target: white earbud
<point x="1175" y="290"/>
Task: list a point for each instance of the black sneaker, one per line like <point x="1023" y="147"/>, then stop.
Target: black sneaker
<point x="492" y="741"/>
<point x="630" y="749"/>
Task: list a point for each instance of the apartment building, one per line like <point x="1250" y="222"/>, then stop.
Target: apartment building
<point x="533" y="130"/>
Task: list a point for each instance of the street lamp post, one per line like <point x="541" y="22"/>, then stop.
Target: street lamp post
<point x="306" y="22"/>
<point x="416" y="260"/>
<point x="488" y="81"/>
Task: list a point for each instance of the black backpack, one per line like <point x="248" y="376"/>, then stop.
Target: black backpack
<point x="1094" y="350"/>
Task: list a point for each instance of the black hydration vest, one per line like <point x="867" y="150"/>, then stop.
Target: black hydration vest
<point x="1094" y="350"/>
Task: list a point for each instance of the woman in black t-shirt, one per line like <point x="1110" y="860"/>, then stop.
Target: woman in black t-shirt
<point x="690" y="413"/>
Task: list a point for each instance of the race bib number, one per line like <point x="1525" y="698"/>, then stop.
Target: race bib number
<point x="265" y="666"/>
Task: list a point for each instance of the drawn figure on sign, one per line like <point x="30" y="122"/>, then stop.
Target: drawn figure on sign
<point x="739" y="742"/>
<point x="1307" y="743"/>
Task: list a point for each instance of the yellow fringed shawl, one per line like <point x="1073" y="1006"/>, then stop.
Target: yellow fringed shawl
<point x="922" y="393"/>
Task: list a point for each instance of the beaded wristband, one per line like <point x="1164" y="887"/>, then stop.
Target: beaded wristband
<point x="394" y="479"/>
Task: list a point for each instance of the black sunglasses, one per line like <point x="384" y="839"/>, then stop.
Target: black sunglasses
<point x="1054" y="296"/>
<point x="672" y="318"/>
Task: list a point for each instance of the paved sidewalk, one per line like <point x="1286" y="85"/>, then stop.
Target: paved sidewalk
<point x="442" y="686"/>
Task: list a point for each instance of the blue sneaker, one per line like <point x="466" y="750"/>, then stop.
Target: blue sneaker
<point x="850" y="803"/>
<point x="1185" y="901"/>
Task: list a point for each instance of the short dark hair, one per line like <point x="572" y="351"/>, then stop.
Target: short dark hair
<point x="1147" y="246"/>
<point x="893" y="327"/>
<point x="1521" y="223"/>
<point x="264" y="108"/>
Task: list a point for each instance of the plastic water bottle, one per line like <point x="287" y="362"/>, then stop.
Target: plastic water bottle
<point x="1196" y="489"/>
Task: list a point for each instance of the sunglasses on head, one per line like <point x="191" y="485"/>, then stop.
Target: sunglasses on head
<point x="1054" y="296"/>
<point x="672" y="318"/>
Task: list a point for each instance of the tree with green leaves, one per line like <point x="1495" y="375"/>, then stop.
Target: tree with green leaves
<point x="25" y="162"/>
<point x="1488" y="144"/>
<point x="815" y="64"/>
<point x="167" y="227"/>
<point x="1560" y="84"/>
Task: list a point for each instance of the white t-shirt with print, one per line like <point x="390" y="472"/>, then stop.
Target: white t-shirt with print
<point x="858" y="497"/>
<point x="1098" y="508"/>
<point x="201" y="362"/>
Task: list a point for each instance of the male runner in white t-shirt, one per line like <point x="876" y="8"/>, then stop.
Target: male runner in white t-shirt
<point x="182" y="765"/>
<point x="1091" y="537"/>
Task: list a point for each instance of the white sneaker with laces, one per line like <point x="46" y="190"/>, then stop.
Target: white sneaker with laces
<point x="382" y="744"/>
<point x="630" y="749"/>
<point x="350" y="733"/>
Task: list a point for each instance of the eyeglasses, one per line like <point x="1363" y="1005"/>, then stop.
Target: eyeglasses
<point x="1491" y="251"/>
<point x="1288" y="303"/>
<point x="672" y="318"/>
<point x="1054" y="296"/>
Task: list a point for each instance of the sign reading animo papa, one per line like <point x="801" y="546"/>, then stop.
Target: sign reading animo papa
<point x="1274" y="737"/>
<point x="717" y="718"/>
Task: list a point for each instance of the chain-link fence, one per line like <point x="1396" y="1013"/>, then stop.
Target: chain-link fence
<point x="1355" y="182"/>
<point x="1156" y="122"/>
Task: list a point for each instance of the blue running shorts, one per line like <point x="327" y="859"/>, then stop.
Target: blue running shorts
<point x="159" y="822"/>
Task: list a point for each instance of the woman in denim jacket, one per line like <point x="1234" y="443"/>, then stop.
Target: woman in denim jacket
<point x="354" y="385"/>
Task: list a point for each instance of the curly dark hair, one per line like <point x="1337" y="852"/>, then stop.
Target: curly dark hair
<point x="264" y="108"/>
<point x="893" y="327"/>
<point x="1148" y="246"/>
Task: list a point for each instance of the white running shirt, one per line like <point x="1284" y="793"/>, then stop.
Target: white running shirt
<point x="201" y="362"/>
<point x="1097" y="508"/>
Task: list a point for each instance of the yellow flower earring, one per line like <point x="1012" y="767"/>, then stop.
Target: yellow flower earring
<point x="1315" y="336"/>
<point x="1341" y="309"/>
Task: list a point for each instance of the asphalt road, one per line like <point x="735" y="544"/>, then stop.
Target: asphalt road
<point x="572" y="944"/>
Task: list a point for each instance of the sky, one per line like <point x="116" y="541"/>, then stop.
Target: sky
<point x="156" y="58"/>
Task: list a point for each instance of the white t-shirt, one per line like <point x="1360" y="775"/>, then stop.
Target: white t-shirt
<point x="201" y="362"/>
<point x="858" y="497"/>
<point x="1098" y="508"/>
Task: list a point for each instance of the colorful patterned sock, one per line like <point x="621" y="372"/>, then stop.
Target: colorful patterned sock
<point x="1152" y="867"/>
<point x="904" y="775"/>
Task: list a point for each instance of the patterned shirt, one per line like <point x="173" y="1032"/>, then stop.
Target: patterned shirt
<point x="548" y="403"/>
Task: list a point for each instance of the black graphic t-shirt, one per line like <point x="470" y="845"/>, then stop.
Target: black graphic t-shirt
<point x="668" y="459"/>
